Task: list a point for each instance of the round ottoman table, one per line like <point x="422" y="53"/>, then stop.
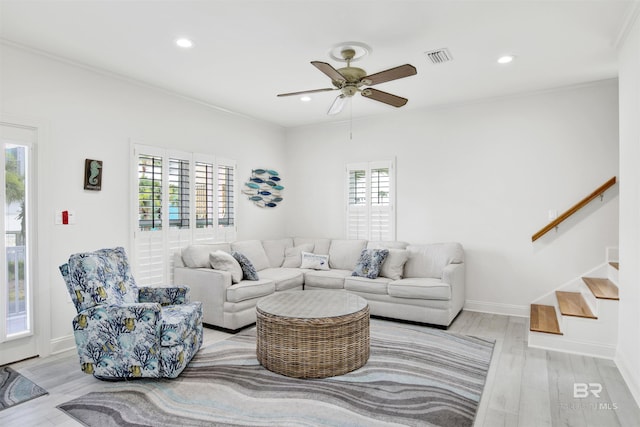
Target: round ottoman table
<point x="312" y="334"/>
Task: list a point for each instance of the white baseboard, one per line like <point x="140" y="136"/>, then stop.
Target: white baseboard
<point x="632" y="382"/>
<point x="59" y="345"/>
<point x="497" y="308"/>
<point x="563" y="344"/>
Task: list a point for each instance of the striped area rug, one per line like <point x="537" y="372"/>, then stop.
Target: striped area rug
<point x="16" y="388"/>
<point x="416" y="376"/>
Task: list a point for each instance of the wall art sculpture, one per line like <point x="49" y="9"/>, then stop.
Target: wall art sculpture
<point x="264" y="188"/>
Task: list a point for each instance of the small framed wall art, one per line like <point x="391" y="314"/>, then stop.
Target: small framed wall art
<point x="93" y="175"/>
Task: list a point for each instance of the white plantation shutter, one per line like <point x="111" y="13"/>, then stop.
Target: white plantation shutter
<point x="149" y="189"/>
<point x="176" y="204"/>
<point x="357" y="206"/>
<point x="226" y="200"/>
<point x="370" y="196"/>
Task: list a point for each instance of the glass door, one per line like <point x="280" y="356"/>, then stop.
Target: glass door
<point x="17" y="335"/>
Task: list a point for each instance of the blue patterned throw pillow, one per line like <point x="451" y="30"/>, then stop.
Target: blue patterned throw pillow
<point x="248" y="270"/>
<point x="370" y="262"/>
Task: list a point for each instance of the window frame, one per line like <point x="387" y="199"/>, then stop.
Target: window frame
<point x="361" y="218"/>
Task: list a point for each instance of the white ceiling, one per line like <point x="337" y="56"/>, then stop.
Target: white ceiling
<point x="246" y="52"/>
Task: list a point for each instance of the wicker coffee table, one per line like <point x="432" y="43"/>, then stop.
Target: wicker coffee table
<point x="312" y="334"/>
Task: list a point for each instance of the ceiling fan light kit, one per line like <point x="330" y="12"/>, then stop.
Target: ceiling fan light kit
<point x="350" y="80"/>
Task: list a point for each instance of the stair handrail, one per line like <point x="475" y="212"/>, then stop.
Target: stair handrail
<point x="582" y="203"/>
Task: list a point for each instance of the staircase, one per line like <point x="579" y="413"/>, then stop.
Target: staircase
<point x="580" y="316"/>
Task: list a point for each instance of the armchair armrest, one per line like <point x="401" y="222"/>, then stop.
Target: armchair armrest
<point x="166" y="295"/>
<point x="119" y="340"/>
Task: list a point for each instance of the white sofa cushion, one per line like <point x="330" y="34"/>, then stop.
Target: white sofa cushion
<point x="320" y="246"/>
<point x="249" y="289"/>
<point x="275" y="250"/>
<point x="344" y="254"/>
<point x="221" y="260"/>
<point x="393" y="265"/>
<point x="253" y="250"/>
<point x="386" y="244"/>
<point x="332" y="279"/>
<point x="420" y="288"/>
<point x="364" y="285"/>
<point x="284" y="278"/>
<point x="197" y="256"/>
<point x="430" y="260"/>
<point x="293" y="256"/>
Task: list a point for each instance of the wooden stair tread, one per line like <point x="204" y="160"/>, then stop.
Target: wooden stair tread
<point x="543" y="319"/>
<point x="572" y="304"/>
<point x="615" y="265"/>
<point x="602" y="288"/>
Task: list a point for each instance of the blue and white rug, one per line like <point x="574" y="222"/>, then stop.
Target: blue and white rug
<point x="16" y="388"/>
<point x="415" y="376"/>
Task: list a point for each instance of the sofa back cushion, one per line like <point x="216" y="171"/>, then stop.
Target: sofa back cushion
<point x="344" y="254"/>
<point x="293" y="256"/>
<point x="386" y="244"/>
<point x="320" y="246"/>
<point x="254" y="251"/>
<point x="275" y="250"/>
<point x="430" y="260"/>
<point x="197" y="256"/>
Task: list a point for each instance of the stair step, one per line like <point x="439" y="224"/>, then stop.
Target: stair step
<point x="572" y="304"/>
<point x="543" y="319"/>
<point x="615" y="265"/>
<point x="602" y="288"/>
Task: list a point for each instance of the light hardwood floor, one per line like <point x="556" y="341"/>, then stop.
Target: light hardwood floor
<point x="525" y="386"/>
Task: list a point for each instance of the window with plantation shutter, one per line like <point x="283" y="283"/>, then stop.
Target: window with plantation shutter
<point x="370" y="196"/>
<point x="204" y="195"/>
<point x="179" y="191"/>
<point x="180" y="198"/>
<point x="226" y="200"/>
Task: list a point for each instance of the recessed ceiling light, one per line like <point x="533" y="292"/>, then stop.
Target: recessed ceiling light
<point x="506" y="59"/>
<point x="184" y="42"/>
<point x="305" y="98"/>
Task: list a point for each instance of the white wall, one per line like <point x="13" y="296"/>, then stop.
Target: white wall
<point x="482" y="174"/>
<point x="92" y="115"/>
<point x="629" y="333"/>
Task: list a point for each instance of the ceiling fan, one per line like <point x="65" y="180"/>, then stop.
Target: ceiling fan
<point x="350" y="80"/>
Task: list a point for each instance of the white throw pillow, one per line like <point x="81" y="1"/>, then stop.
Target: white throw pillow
<point x="293" y="256"/>
<point x="314" y="261"/>
<point x="393" y="265"/>
<point x="221" y="260"/>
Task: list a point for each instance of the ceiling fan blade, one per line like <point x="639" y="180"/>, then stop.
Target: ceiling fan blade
<point x="331" y="72"/>
<point x="337" y="105"/>
<point x="307" y="91"/>
<point x="387" y="98"/>
<point x="400" y="72"/>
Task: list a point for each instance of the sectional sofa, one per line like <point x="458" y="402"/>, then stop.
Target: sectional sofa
<point x="420" y="283"/>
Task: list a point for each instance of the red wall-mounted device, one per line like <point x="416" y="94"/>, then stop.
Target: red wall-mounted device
<point x="65" y="217"/>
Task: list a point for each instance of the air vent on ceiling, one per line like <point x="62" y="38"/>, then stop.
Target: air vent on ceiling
<point x="439" y="56"/>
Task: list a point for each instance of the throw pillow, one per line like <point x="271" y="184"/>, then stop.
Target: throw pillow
<point x="314" y="261"/>
<point x="370" y="262"/>
<point x="293" y="256"/>
<point x="248" y="270"/>
<point x="393" y="266"/>
<point x="221" y="260"/>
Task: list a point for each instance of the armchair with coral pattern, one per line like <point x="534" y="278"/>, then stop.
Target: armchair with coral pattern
<point x="125" y="331"/>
